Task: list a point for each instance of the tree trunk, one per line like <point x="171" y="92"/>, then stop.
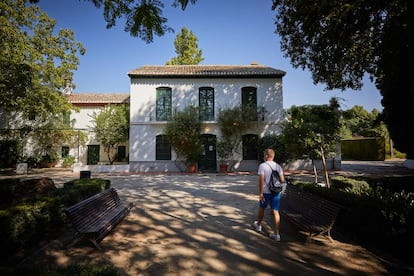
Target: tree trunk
<point x="315" y="171"/>
<point x="325" y="170"/>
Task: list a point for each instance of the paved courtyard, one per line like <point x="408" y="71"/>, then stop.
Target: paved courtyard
<point x="200" y="224"/>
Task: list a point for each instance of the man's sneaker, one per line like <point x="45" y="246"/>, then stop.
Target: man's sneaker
<point x="274" y="236"/>
<point x="257" y="226"/>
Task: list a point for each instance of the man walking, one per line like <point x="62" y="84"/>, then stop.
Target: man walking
<point x="266" y="197"/>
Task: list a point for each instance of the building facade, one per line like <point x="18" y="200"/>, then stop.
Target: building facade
<point x="159" y="91"/>
<point x="91" y="152"/>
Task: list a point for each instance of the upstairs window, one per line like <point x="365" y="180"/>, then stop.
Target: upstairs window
<point x="250" y="147"/>
<point x="163" y="104"/>
<point x="206" y="103"/>
<point x="162" y="148"/>
<point x="249" y="103"/>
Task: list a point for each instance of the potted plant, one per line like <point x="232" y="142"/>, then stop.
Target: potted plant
<point x="183" y="132"/>
<point x="224" y="149"/>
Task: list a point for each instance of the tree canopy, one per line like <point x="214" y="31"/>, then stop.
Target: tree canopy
<point x="312" y="131"/>
<point x="341" y="41"/>
<point x="34" y="60"/>
<point x="186" y="48"/>
<point x="144" y="18"/>
<point x="111" y="126"/>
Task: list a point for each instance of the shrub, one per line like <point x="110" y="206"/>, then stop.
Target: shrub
<point x="79" y="189"/>
<point x="373" y="215"/>
<point x="32" y="209"/>
<point x="26" y="223"/>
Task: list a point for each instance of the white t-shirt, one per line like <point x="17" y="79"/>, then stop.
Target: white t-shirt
<point x="265" y="169"/>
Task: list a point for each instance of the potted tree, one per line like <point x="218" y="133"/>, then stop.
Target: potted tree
<point x="224" y="149"/>
<point x="232" y="123"/>
<point x="183" y="132"/>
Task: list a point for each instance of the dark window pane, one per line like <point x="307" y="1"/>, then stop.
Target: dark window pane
<point x="250" y="147"/>
<point x="162" y="148"/>
<point x="163" y="104"/>
<point x="206" y="103"/>
<point x="121" y="154"/>
<point x="249" y="103"/>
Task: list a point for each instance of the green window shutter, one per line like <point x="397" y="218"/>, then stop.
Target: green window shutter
<point x="249" y="103"/>
<point x="163" y="104"/>
<point x="206" y="103"/>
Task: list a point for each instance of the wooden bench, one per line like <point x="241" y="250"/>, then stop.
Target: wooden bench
<point x="94" y="217"/>
<point x="309" y="212"/>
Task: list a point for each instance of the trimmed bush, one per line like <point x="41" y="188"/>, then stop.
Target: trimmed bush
<point x="375" y="216"/>
<point x="32" y="209"/>
<point x="80" y="189"/>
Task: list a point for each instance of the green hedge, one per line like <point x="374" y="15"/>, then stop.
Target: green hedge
<point x="372" y="215"/>
<point x="363" y="149"/>
<point x="25" y="222"/>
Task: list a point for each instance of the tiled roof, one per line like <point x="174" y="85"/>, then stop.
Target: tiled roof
<point x="98" y="98"/>
<point x="206" y="71"/>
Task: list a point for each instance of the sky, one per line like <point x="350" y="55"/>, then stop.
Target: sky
<point x="229" y="32"/>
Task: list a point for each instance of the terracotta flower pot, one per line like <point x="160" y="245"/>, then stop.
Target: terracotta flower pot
<point x="224" y="168"/>
<point x="192" y="168"/>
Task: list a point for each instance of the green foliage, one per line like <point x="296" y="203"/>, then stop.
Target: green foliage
<point x="111" y="127"/>
<point x="375" y="44"/>
<point x="80" y="189"/>
<point x="9" y="153"/>
<point x="232" y="123"/>
<point x="186" y="48"/>
<point x="183" y="132"/>
<point x="363" y="149"/>
<point x="274" y="142"/>
<point x="395" y="75"/>
<point x="68" y="161"/>
<point x="308" y="128"/>
<point x="224" y="149"/>
<point x="378" y="217"/>
<point x="143" y="19"/>
<point x="34" y="61"/>
<point x="27" y="219"/>
<point x="363" y="123"/>
<point x="357" y="187"/>
<point x="26" y="223"/>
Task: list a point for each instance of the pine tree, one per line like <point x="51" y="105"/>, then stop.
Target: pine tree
<point x="186" y="48"/>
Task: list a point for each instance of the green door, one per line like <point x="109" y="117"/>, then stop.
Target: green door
<point x="208" y="162"/>
<point x="93" y="154"/>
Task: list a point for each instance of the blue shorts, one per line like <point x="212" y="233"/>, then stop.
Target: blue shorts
<point x="272" y="199"/>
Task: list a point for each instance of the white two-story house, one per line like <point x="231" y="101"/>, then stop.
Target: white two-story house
<point x="92" y="153"/>
<point x="158" y="91"/>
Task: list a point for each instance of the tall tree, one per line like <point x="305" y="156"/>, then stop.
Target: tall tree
<point x="34" y="60"/>
<point x="186" y="48"/>
<point x="360" y="122"/>
<point x="312" y="131"/>
<point x="111" y="126"/>
<point x="341" y="41"/>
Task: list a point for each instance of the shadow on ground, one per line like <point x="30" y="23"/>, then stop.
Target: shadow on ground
<point x="201" y="225"/>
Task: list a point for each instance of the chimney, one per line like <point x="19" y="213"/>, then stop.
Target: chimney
<point x="254" y="63"/>
<point x="68" y="88"/>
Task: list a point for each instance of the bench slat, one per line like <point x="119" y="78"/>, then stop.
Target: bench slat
<point x="309" y="212"/>
<point x="97" y="215"/>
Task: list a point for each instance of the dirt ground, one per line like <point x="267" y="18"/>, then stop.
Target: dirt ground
<point x="200" y="224"/>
